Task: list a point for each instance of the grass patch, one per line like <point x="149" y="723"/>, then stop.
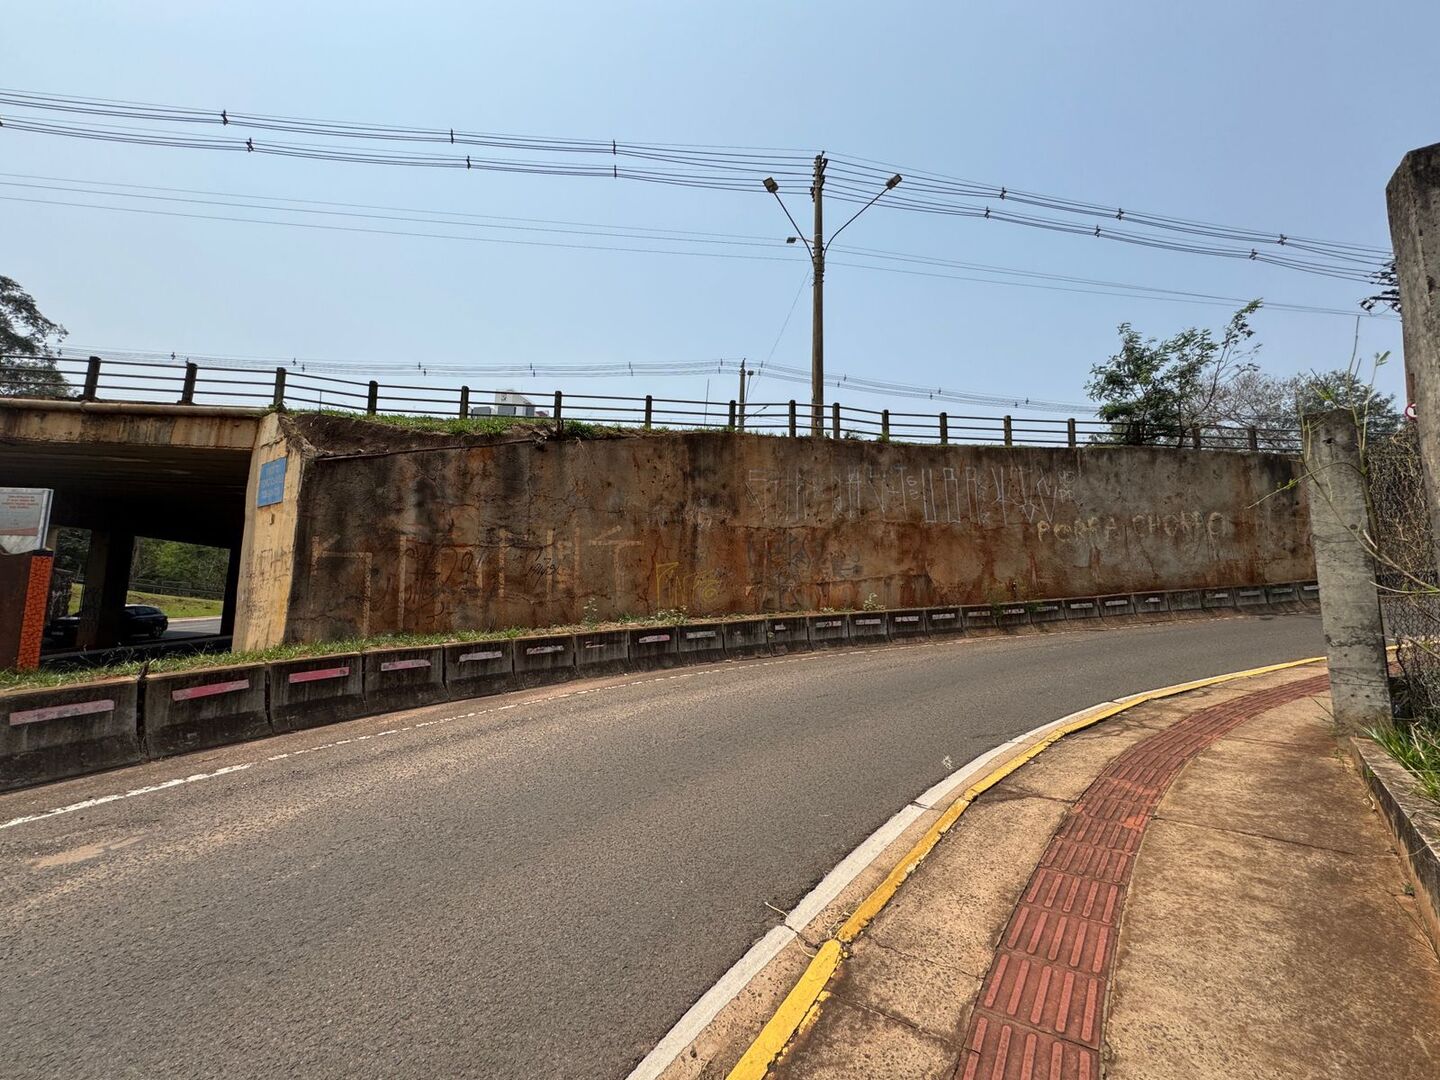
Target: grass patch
<point x="177" y="607"/>
<point x="482" y="425"/>
<point x="1418" y="749"/>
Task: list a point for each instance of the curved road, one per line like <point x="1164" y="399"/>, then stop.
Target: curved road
<point x="538" y="889"/>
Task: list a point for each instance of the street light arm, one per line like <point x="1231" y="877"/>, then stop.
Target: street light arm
<point x="798" y="231"/>
<point x="853" y="216"/>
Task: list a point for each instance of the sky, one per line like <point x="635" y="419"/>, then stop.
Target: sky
<point x="1283" y="116"/>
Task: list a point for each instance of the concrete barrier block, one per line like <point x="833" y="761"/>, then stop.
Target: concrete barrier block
<point x="316" y="690"/>
<point x="602" y="652"/>
<point x="1185" y="600"/>
<point x="907" y="624"/>
<point x="1046" y="611"/>
<point x="788" y="634"/>
<point x="193" y="710"/>
<point x="1150" y="603"/>
<point x="654" y="647"/>
<point x="1118" y="604"/>
<point x="701" y="643"/>
<point x="1310" y="594"/>
<point x="746" y="637"/>
<point x="1217" y="599"/>
<point x="478" y="668"/>
<point x="1012" y="613"/>
<point x="944" y="620"/>
<point x="65" y="731"/>
<point x="1251" y="596"/>
<point x="827" y="631"/>
<point x="404" y="678"/>
<point x="980" y="619"/>
<point x="1081" y="607"/>
<point x="543" y="660"/>
<point x="867" y="626"/>
<point x="1284" y="597"/>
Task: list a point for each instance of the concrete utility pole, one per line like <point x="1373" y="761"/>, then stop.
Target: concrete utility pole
<point x="744" y="380"/>
<point x="816" y="249"/>
<point x="817" y="316"/>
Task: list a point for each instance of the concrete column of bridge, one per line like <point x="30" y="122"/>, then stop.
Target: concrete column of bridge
<point x="107" y="580"/>
<point x="232" y="589"/>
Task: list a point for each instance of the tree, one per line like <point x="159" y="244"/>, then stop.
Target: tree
<point x="1154" y="391"/>
<point x="27" y="346"/>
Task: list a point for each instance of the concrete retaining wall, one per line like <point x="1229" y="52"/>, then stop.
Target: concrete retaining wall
<point x="498" y="533"/>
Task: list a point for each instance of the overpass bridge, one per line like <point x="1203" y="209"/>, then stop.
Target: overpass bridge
<point x="128" y="469"/>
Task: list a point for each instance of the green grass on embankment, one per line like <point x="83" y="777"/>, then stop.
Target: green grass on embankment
<point x="177" y="607"/>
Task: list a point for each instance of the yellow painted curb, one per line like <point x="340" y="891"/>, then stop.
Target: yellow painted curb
<point x="801" y="1007"/>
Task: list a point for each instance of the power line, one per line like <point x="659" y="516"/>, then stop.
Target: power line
<point x="712" y="168"/>
<point x="677" y="239"/>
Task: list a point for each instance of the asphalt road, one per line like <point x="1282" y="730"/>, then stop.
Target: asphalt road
<point x="539" y="890"/>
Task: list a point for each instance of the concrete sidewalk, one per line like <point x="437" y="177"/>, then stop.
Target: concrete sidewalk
<point x="1196" y="888"/>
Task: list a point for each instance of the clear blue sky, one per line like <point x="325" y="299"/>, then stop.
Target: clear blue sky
<point x="1287" y="115"/>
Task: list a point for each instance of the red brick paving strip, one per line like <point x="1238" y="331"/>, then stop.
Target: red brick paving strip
<point x="1041" y="1008"/>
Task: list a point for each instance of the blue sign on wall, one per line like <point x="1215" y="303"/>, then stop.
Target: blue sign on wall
<point x="271" y="488"/>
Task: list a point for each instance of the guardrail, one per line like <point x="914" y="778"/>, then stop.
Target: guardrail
<point x="296" y="389"/>
<point x="56" y="732"/>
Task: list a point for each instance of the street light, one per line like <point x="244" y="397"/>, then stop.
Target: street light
<point x="817" y="250"/>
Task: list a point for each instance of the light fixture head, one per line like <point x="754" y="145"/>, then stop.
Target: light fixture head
<point x="770" y="185"/>
<point x="892" y="182"/>
<point x="791" y="239"/>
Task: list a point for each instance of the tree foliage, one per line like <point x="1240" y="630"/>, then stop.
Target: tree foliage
<point x="27" y="346"/>
<point x="1155" y="391"/>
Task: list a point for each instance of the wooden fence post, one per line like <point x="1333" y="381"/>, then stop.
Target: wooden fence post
<point x="279" y="399"/>
<point x="464" y="403"/>
<point x="372" y="400"/>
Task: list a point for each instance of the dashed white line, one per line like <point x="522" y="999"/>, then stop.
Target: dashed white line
<point x="149" y="789"/>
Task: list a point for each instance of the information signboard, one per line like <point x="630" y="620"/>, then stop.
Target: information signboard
<point x="24" y="519"/>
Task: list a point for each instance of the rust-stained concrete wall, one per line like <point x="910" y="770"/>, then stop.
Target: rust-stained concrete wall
<point x="436" y="533"/>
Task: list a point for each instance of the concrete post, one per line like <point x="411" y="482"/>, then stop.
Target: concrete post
<point x="944" y="428"/>
<point x="1070" y="438"/>
<point x="835" y="420"/>
<point x="107" y="580"/>
<point x="1413" y="196"/>
<point x="1009" y="432"/>
<point x="1349" y="598"/>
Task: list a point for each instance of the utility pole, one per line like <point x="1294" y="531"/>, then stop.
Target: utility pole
<point x="817" y="323"/>
<point x="744" y="378"/>
<point x="816" y="250"/>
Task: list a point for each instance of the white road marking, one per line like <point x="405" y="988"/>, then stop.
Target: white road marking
<point x="698" y="1017"/>
<point x="850" y="867"/>
<point x="123" y="795"/>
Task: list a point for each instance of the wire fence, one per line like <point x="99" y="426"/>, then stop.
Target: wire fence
<point x="1406" y="571"/>
<point x="296" y="390"/>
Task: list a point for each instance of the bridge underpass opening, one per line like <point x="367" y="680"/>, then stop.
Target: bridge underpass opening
<point x="123" y="473"/>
